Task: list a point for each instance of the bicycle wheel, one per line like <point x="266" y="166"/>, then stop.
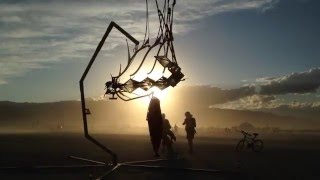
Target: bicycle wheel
<point x="257" y="145"/>
<point x="240" y="146"/>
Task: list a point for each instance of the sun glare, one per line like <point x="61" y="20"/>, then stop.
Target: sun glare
<point x="162" y="95"/>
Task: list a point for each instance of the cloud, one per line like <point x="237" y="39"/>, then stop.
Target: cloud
<point x="267" y="88"/>
<point x="275" y="105"/>
<point x="275" y="94"/>
<point x="2" y="82"/>
<point x="308" y="110"/>
<point x="300" y="83"/>
<point x="253" y="102"/>
<point x="194" y="10"/>
<point x="206" y="95"/>
<point x="303" y="105"/>
<point x="10" y="19"/>
<point x="264" y="102"/>
<point x="34" y="32"/>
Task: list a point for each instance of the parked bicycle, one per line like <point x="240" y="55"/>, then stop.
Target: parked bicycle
<point x="250" y="141"/>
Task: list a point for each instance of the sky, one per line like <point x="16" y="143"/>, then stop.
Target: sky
<point x="269" y="48"/>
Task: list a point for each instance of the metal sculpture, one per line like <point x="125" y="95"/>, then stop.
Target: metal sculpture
<point x="164" y="43"/>
<point x="165" y="56"/>
<point x="114" y="88"/>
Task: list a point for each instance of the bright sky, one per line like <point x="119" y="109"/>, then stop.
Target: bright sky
<point x="46" y="45"/>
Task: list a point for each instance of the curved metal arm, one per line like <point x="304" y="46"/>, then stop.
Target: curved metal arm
<point x="83" y="101"/>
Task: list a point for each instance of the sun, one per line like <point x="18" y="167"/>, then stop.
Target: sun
<point x="162" y="95"/>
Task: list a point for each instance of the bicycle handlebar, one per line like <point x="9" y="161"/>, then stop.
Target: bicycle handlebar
<point x="243" y="132"/>
<point x="249" y="134"/>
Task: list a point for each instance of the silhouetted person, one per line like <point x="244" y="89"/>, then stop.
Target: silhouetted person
<point x="154" y="119"/>
<point x="190" y="124"/>
<point x="176" y="128"/>
<point x="167" y="135"/>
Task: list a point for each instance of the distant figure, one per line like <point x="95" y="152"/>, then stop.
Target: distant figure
<point x="176" y="129"/>
<point x="154" y="119"/>
<point x="227" y="130"/>
<point x="190" y="124"/>
<point x="167" y="135"/>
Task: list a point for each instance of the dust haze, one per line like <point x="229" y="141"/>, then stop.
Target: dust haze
<point x="130" y="117"/>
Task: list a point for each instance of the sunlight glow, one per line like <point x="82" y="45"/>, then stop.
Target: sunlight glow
<point x="162" y="95"/>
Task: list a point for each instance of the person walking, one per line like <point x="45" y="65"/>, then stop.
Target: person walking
<point x="154" y="119"/>
<point x="190" y="125"/>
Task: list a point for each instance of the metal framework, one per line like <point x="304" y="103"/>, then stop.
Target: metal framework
<point x="114" y="88"/>
<point x="86" y="111"/>
<point x="164" y="44"/>
<point x="124" y="91"/>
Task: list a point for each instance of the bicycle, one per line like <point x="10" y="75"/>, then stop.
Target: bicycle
<point x="250" y="141"/>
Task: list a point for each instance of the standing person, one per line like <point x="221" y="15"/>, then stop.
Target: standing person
<point x="154" y="119"/>
<point x="190" y="124"/>
<point x="176" y="128"/>
<point x="167" y="135"/>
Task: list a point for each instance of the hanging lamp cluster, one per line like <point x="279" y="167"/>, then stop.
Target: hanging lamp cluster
<point x="162" y="83"/>
<point x="164" y="44"/>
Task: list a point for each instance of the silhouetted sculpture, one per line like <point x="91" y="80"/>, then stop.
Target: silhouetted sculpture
<point x="154" y="119"/>
<point x="190" y="124"/>
<point x="167" y="135"/>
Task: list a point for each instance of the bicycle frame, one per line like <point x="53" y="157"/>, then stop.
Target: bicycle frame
<point x="250" y="141"/>
<point x="249" y="138"/>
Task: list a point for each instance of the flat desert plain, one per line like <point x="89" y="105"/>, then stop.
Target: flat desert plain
<point x="285" y="156"/>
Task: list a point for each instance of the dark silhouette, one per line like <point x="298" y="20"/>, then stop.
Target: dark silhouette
<point x="163" y="40"/>
<point x="167" y="135"/>
<point x="154" y="119"/>
<point x="190" y="124"/>
<point x="176" y="129"/>
<point x="250" y="141"/>
<point x="227" y="130"/>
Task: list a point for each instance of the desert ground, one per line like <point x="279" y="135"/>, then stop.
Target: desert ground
<point x="285" y="156"/>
